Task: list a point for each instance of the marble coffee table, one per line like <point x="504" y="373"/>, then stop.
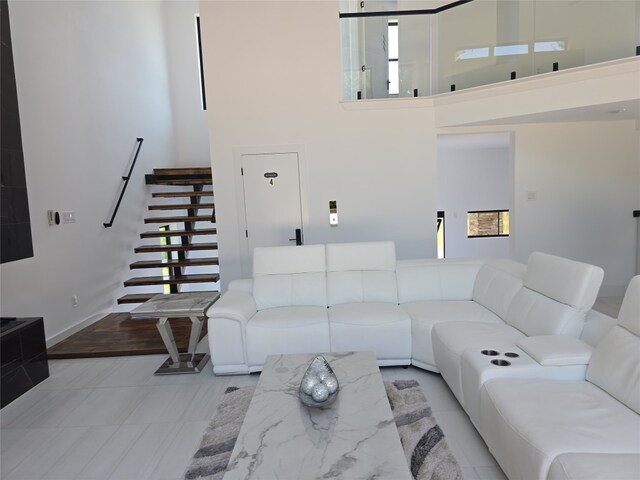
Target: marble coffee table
<point x="355" y="437"/>
<point x="174" y="305"/>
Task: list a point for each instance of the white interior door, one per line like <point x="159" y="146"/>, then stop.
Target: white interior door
<point x="273" y="212"/>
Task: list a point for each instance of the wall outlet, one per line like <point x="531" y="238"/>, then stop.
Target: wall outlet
<point x="74" y="300"/>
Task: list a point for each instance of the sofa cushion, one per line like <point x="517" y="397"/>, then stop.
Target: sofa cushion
<point x="361" y="272"/>
<point x="615" y="364"/>
<point x="567" y="281"/>
<point x="298" y="329"/>
<point x="497" y="283"/>
<point x="534" y="314"/>
<point x="425" y="315"/>
<point x="431" y="279"/>
<point x="451" y="339"/>
<point x="528" y="423"/>
<point x="286" y="276"/>
<point x="595" y="466"/>
<point x="383" y="328"/>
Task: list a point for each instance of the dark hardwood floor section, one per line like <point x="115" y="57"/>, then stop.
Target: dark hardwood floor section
<point x="117" y="334"/>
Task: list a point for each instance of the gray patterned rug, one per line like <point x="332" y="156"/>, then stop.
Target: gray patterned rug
<point x="425" y="447"/>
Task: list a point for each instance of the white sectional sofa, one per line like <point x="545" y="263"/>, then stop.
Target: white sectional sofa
<point x="492" y="328"/>
<point x="573" y="429"/>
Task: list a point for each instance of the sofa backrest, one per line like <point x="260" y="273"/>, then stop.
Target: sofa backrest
<point x="615" y="363"/>
<point x="437" y="279"/>
<point x="497" y="283"/>
<point x="287" y="276"/>
<point x="361" y="272"/>
<point x="555" y="297"/>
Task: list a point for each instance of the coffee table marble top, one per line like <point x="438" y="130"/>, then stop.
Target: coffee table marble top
<point x="187" y="304"/>
<point x="355" y="437"/>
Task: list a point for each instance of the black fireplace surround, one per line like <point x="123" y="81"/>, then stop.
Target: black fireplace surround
<point x="24" y="356"/>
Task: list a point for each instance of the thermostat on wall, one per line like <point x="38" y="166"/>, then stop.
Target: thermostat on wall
<point x="333" y="213"/>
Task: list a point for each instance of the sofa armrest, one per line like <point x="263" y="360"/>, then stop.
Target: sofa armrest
<point x="234" y="305"/>
<point x="243" y="285"/>
<point x="556" y="350"/>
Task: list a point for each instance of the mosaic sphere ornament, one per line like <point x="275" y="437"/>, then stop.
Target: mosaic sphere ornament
<point x="308" y="382"/>
<point x="319" y="386"/>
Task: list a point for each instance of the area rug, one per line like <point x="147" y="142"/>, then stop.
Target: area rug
<point x="425" y="447"/>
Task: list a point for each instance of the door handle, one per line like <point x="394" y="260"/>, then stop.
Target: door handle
<point x="298" y="237"/>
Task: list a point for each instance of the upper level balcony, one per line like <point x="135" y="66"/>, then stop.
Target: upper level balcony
<point x="418" y="48"/>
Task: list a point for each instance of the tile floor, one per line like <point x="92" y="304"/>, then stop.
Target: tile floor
<point x="111" y="418"/>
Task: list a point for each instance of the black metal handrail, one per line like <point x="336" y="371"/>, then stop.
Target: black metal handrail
<point x="126" y="182"/>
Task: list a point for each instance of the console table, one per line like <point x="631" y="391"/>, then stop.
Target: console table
<point x="174" y="305"/>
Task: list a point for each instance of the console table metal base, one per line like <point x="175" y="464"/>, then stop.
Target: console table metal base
<point x="189" y="363"/>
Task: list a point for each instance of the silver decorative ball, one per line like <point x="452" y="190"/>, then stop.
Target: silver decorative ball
<point x="320" y="392"/>
<point x="323" y="374"/>
<point x="331" y="383"/>
<point x="308" y="382"/>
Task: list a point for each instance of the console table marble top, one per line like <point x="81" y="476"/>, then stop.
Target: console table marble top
<point x="355" y="437"/>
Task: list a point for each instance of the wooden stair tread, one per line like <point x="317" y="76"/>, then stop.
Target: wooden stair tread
<point x="187" y="262"/>
<point x="175" y="248"/>
<point x="183" y="181"/>
<point x="202" y="193"/>
<point x="179" y="219"/>
<point x="172" y="280"/>
<point x="178" y="233"/>
<point x="143" y="297"/>
<point x="181" y="206"/>
<point x="136" y="298"/>
<point x="182" y="171"/>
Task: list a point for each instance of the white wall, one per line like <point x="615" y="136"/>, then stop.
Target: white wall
<point x="281" y="85"/>
<point x="91" y="77"/>
<point x="190" y="120"/>
<point x="585" y="176"/>
<point x="471" y="178"/>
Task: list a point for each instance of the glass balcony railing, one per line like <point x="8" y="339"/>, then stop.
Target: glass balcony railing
<point x="389" y="51"/>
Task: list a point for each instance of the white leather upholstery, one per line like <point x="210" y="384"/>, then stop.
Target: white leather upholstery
<point x="361" y="286"/>
<point x="361" y="272"/>
<point x="343" y="257"/>
<point x="596" y="326"/>
<point x="497" y="282"/>
<point x="286" y="330"/>
<point x="287" y="276"/>
<point x="629" y="316"/>
<point x="528" y="423"/>
<point x="289" y="259"/>
<point x="301" y="289"/>
<point x="595" y="466"/>
<point x="425" y="315"/>
<point x="450" y="340"/>
<point x="534" y="314"/>
<point x="557" y="294"/>
<point x="567" y="281"/>
<point x="556" y="350"/>
<point x="431" y="279"/>
<point x="383" y="328"/>
<point x="615" y="365"/>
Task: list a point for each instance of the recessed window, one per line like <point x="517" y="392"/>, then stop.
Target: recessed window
<point x="488" y="223"/>
<point x="506" y="50"/>
<point x="469" y="53"/>
<point x="552" y="46"/>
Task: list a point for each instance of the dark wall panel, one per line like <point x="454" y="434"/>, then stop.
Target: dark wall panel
<point x="15" y="226"/>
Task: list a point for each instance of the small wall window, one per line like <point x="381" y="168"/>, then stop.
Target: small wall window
<point x="488" y="223"/>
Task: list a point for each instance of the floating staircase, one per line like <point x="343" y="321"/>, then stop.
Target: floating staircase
<point x="181" y="245"/>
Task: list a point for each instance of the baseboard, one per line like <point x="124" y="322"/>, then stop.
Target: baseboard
<point x="57" y="338"/>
